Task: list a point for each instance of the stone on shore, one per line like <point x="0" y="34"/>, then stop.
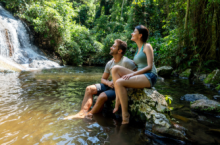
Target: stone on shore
<point x="186" y="74"/>
<point x="206" y="106"/>
<point x="164" y="71"/>
<point x="193" y="97"/>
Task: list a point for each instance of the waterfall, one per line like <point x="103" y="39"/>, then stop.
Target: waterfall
<point x="15" y="43"/>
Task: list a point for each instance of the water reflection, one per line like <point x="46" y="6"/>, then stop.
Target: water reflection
<point x="33" y="105"/>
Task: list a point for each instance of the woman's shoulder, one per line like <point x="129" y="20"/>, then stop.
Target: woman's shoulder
<point x="147" y="45"/>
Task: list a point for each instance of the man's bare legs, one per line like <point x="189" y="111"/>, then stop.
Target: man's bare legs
<point x="86" y="104"/>
<point x="102" y="98"/>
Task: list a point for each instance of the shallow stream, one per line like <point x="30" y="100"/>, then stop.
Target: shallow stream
<point x="33" y="105"/>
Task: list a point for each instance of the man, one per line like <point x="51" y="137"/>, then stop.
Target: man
<point x="105" y="89"/>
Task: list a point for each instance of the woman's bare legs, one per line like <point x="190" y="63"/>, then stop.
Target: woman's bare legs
<point x="116" y="74"/>
<point x="138" y="81"/>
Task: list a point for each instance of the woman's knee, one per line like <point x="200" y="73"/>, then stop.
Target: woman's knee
<point x="119" y="82"/>
<point x="116" y="68"/>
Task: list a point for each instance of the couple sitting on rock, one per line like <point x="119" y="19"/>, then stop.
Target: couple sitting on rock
<point x="125" y="74"/>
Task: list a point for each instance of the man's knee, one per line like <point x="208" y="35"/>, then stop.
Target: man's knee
<point x="102" y="98"/>
<point x="91" y="89"/>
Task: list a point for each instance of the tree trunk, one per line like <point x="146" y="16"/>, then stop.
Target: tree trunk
<point x="187" y="13"/>
<point x="212" y="54"/>
<point x="186" y="23"/>
<point x="122" y="8"/>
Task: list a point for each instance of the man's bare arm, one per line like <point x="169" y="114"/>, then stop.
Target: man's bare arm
<point x="105" y="81"/>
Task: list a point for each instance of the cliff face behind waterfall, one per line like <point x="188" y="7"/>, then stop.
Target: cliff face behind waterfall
<point x="16" y="49"/>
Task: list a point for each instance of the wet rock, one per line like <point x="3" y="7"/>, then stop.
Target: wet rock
<point x="206" y="106"/>
<point x="213" y="78"/>
<point x="147" y="99"/>
<point x="42" y="64"/>
<point x="169" y="132"/>
<point x="164" y="71"/>
<point x="179" y="127"/>
<point x="187" y="74"/>
<point x="159" y="119"/>
<point x="193" y="97"/>
<point x="217" y="97"/>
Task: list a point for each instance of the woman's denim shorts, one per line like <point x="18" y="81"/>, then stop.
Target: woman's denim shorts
<point x="152" y="78"/>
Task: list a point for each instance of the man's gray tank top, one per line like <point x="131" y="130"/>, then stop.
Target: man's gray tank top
<point x="141" y="60"/>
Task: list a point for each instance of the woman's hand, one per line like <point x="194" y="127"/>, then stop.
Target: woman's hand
<point x="127" y="77"/>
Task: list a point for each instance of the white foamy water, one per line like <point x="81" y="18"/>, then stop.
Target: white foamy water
<point x="15" y="43"/>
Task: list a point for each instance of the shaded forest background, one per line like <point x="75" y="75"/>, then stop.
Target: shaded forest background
<point x="184" y="33"/>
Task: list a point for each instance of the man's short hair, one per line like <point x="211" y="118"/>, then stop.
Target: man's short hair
<point x="121" y="45"/>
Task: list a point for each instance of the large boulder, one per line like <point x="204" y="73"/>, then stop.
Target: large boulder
<point x="164" y="71"/>
<point x="213" y="78"/>
<point x="206" y="106"/>
<point x="150" y="106"/>
<point x="193" y="97"/>
<point x="187" y="74"/>
<point x="153" y="104"/>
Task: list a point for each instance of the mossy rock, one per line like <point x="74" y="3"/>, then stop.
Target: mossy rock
<point x="213" y="78"/>
<point x="218" y="87"/>
<point x="165" y="71"/>
<point x="206" y="106"/>
<point x="186" y="74"/>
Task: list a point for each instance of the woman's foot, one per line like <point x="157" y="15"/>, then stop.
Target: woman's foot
<point x="115" y="110"/>
<point x="117" y="104"/>
<point x="125" y="118"/>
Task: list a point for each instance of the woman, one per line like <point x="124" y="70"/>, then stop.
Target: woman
<point x="144" y="77"/>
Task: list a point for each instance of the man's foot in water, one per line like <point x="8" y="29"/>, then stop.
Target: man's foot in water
<point x="81" y="114"/>
<point x="89" y="116"/>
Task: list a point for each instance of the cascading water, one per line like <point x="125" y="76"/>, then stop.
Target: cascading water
<point x="15" y="44"/>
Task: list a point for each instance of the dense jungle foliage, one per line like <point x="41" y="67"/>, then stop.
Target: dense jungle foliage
<point x="183" y="33"/>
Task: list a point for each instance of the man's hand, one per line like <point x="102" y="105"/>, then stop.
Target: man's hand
<point x="110" y="84"/>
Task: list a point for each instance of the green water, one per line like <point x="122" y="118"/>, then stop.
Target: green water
<point x="33" y="105"/>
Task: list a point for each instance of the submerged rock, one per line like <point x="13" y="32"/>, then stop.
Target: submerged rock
<point x="193" y="97"/>
<point x="213" y="78"/>
<point x="187" y="74"/>
<point x="169" y="132"/>
<point x="206" y="106"/>
<point x="164" y="71"/>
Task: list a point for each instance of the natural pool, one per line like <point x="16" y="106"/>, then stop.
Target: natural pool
<point x="33" y="105"/>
